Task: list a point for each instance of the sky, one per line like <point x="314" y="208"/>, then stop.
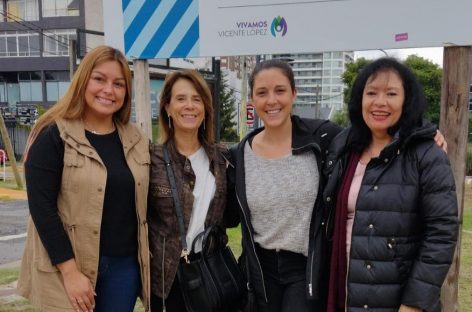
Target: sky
<point x="433" y="54"/>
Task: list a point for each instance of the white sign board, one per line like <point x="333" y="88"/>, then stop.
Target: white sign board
<point x="248" y="27"/>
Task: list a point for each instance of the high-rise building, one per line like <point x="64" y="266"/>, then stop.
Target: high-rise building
<point x="318" y="81"/>
<point x="235" y="64"/>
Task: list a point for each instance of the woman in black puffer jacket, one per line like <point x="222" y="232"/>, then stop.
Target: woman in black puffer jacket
<point x="391" y="199"/>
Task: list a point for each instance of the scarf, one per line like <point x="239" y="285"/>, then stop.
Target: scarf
<point x="338" y="264"/>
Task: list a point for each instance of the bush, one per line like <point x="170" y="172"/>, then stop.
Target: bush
<point x="468" y="165"/>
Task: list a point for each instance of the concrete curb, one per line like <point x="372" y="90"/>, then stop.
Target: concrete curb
<point x="11" y="265"/>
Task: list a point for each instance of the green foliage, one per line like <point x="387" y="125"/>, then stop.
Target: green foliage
<point x="430" y="76"/>
<point x="470" y="129"/>
<point x="41" y="109"/>
<point x="227" y="100"/>
<point x="350" y="75"/>
<point x="468" y="161"/>
<point x="341" y="117"/>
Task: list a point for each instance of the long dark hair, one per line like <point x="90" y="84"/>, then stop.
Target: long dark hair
<point x="413" y="109"/>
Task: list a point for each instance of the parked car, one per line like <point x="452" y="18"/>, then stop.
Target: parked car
<point x="3" y="156"/>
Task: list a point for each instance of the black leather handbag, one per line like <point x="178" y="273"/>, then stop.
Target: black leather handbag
<point x="211" y="279"/>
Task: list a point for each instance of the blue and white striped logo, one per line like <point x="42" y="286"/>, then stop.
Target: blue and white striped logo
<point x="160" y="28"/>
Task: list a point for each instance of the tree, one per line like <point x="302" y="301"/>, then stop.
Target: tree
<point x="341" y="117"/>
<point x="430" y="76"/>
<point x="470" y="128"/>
<point x="227" y="111"/>
<point x="350" y="75"/>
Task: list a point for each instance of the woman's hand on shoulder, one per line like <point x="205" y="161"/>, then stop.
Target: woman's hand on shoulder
<point x="440" y="140"/>
<point x="78" y="287"/>
<point x="404" y="308"/>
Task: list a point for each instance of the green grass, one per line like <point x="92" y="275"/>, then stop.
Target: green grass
<point x="8" y="275"/>
<point x="467" y="220"/>
<point x="9" y="184"/>
<point x="19" y="305"/>
<point x="234" y="240"/>
<point x="465" y="275"/>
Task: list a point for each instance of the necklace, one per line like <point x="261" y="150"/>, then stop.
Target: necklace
<point x="100" y="132"/>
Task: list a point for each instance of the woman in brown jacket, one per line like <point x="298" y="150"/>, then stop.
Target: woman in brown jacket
<point x="87" y="174"/>
<point x="186" y="128"/>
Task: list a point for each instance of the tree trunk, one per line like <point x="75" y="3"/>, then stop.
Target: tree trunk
<point x="454" y="124"/>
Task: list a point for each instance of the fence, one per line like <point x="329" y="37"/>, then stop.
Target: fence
<point x="18" y="137"/>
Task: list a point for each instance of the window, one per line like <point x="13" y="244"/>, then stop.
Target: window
<point x="57" y="83"/>
<point x="30" y="86"/>
<point x="22" y="10"/>
<point x="56" y="42"/>
<point x="337" y="72"/>
<point x="52" y="8"/>
<point x="19" y="44"/>
<point x="3" y="92"/>
<point x="11" y="88"/>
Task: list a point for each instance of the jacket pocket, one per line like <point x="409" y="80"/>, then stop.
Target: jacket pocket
<point x="142" y="158"/>
<point x="161" y="201"/>
<point x="73" y="163"/>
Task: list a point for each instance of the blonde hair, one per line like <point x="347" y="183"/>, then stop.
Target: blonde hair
<point x="206" y="135"/>
<point x="71" y="105"/>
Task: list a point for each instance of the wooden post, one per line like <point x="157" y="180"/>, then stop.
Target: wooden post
<point x="10" y="152"/>
<point x="243" y="109"/>
<point x="142" y="99"/>
<point x="453" y="124"/>
<point x="72" y="57"/>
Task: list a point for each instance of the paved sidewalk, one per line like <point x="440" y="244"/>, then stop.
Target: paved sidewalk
<point x="8" y="291"/>
<point x="10" y="194"/>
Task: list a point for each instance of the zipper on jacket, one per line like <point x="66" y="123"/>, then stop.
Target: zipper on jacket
<point x="316" y="146"/>
<point x="253" y="245"/>
<point x="163" y="272"/>
<point x="312" y="256"/>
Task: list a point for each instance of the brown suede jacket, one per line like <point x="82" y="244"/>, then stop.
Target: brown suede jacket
<point x="164" y="237"/>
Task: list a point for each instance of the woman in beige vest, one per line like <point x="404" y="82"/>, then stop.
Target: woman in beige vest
<point x="87" y="175"/>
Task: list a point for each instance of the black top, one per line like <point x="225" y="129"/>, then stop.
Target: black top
<point x="43" y="172"/>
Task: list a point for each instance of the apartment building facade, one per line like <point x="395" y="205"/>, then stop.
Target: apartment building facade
<point x="318" y="81"/>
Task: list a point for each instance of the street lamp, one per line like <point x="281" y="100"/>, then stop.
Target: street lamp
<point x="384" y="52"/>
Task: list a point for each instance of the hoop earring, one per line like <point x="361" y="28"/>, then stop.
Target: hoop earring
<point x="170" y="124"/>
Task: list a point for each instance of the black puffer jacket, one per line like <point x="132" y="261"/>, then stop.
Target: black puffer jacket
<point x="308" y="136"/>
<point x="405" y="226"/>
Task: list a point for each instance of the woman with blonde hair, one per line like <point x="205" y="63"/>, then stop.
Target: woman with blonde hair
<point x="87" y="173"/>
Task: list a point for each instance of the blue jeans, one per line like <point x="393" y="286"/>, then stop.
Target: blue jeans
<point x="285" y="281"/>
<point x="118" y="284"/>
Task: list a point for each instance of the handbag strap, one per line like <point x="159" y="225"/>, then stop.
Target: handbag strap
<point x="178" y="207"/>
